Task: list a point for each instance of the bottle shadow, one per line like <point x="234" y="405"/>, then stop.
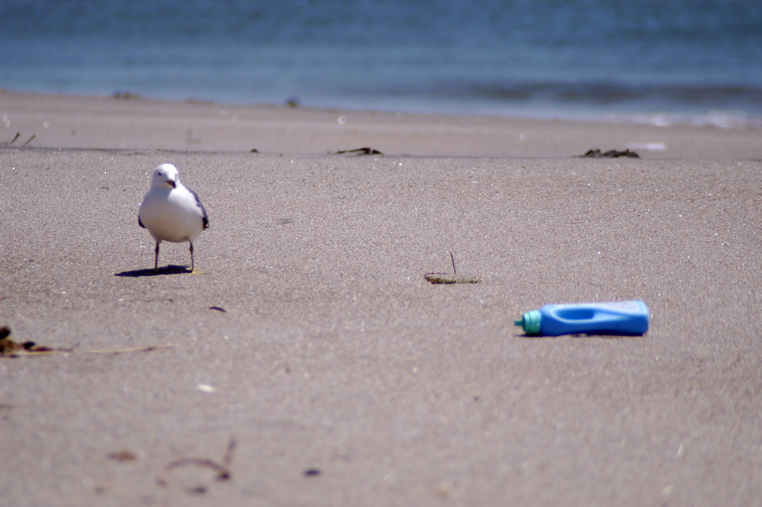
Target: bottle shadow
<point x="605" y="336"/>
<point x="166" y="270"/>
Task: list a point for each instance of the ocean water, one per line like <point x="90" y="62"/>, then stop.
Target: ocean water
<point x="655" y="61"/>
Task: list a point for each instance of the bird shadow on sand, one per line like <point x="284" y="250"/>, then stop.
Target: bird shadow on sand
<point x="166" y="270"/>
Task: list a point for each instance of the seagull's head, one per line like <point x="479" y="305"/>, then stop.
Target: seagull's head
<point x="165" y="176"/>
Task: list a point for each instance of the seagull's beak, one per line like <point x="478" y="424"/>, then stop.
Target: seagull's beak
<point x="172" y="183"/>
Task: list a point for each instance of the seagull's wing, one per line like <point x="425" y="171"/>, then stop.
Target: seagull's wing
<point x="200" y="206"/>
<point x="140" y="223"/>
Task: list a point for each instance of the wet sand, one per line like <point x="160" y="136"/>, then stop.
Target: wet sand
<point x="310" y="337"/>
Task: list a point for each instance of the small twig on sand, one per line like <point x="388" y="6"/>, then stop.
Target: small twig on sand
<point x="8" y="143"/>
<point x="11" y="348"/>
<point x="227" y="460"/>
<point x="222" y="470"/>
<point x="437" y="278"/>
<point x="223" y="473"/>
<point x="15" y="138"/>
<point x="132" y="349"/>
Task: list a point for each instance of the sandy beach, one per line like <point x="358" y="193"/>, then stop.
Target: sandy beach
<point x="309" y="338"/>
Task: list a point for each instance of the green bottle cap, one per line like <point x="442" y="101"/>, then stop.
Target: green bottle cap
<point x="530" y="321"/>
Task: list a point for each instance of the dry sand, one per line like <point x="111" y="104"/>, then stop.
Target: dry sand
<point x="333" y="354"/>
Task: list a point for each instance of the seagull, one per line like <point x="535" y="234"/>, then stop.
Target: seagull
<point x="171" y="212"/>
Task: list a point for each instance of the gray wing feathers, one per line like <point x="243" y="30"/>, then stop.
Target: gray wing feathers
<point x="205" y="217"/>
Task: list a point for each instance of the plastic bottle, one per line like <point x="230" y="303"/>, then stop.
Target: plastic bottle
<point x="617" y="317"/>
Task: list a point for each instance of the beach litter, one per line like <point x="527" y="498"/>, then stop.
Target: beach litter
<point x="12" y="348"/>
<point x="149" y="348"/>
<point x="609" y="154"/>
<point x="222" y="469"/>
<point x="446" y="278"/>
<point x="358" y="151"/>
<point x="608" y="318"/>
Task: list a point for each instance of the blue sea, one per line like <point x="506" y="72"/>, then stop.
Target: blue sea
<point x="653" y="61"/>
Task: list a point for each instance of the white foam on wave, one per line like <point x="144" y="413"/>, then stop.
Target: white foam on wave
<point x="715" y="118"/>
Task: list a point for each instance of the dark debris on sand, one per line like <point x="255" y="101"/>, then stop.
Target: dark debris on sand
<point x="359" y="151"/>
<point x="609" y="154"/>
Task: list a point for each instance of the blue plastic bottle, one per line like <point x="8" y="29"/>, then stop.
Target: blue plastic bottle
<point x="618" y="317"/>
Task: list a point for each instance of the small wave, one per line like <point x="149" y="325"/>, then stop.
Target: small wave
<point x="604" y="92"/>
<point x="715" y="118"/>
<point x="722" y="106"/>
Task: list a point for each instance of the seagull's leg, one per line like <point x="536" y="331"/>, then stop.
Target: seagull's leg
<point x="191" y="252"/>
<point x="156" y="258"/>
